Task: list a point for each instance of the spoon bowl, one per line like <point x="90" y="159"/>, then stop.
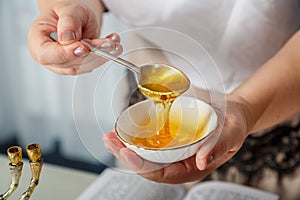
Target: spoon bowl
<point x="162" y="82"/>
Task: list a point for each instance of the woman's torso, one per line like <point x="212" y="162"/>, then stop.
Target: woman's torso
<point x="240" y="35"/>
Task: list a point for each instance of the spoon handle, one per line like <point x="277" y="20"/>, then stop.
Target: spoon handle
<point x="104" y="54"/>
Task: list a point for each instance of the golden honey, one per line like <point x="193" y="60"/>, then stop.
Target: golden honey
<point x="163" y="98"/>
<point x="174" y="133"/>
<point x="163" y="86"/>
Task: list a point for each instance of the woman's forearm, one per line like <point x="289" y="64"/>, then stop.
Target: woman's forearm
<point x="272" y="94"/>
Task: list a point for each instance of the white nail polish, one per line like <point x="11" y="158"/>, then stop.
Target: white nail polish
<point x="115" y="51"/>
<point x="105" y="45"/>
<point x="114" y="38"/>
<point x="79" y="51"/>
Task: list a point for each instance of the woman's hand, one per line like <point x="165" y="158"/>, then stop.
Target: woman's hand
<point x="73" y="21"/>
<point x="228" y="138"/>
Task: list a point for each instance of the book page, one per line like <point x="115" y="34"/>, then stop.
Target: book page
<point x="215" y="190"/>
<point x="115" y="185"/>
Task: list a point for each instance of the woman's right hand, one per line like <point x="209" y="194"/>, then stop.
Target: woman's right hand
<point x="73" y="20"/>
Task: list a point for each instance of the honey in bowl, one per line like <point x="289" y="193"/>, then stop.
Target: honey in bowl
<point x="179" y="130"/>
<point x="190" y="120"/>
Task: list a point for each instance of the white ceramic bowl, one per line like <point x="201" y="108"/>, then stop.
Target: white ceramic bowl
<point x="139" y="121"/>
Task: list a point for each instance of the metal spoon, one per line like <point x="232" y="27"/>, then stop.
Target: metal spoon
<point x="161" y="74"/>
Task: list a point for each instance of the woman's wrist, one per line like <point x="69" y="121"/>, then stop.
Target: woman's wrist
<point x="246" y="111"/>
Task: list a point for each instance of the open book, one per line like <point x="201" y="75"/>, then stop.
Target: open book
<point x="116" y="185"/>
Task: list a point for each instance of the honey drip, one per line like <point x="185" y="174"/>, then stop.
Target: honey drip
<point x="163" y="98"/>
<point x="167" y="132"/>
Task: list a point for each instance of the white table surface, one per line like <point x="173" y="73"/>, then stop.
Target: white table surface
<point x="55" y="182"/>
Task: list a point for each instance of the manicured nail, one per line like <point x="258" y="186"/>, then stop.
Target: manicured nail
<point x="205" y="162"/>
<point x="211" y="157"/>
<point x="105" y="45"/>
<point x="115" y="51"/>
<point x="68" y="36"/>
<point x="115" y="38"/>
<point x="79" y="51"/>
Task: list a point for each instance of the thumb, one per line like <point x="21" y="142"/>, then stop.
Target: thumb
<point x="69" y="25"/>
<point x="207" y="151"/>
<point x="224" y="145"/>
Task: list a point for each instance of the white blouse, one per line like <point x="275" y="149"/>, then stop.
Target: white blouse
<point x="239" y="35"/>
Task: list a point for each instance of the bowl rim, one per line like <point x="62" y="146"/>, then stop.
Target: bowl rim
<point x="174" y="147"/>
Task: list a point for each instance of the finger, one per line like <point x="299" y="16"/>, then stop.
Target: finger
<point x="209" y="143"/>
<point x="114" y="37"/>
<point x="173" y="173"/>
<point x="93" y="61"/>
<point x="203" y="162"/>
<point x="108" y="45"/>
<point x="52" y="53"/>
<point x="230" y="141"/>
<point x="118" y="50"/>
<point x="63" y="71"/>
<point x="105" y="44"/>
<point x="206" y="152"/>
<point x="204" y="155"/>
<point x="130" y="158"/>
<point x="48" y="52"/>
<point x="220" y="150"/>
<point x="112" y="143"/>
<point x="70" y="22"/>
<point x="138" y="164"/>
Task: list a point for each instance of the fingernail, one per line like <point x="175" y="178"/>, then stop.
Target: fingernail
<point x="205" y="162"/>
<point x="79" y="51"/>
<point x="68" y="36"/>
<point x="115" y="38"/>
<point x="105" y="45"/>
<point x="115" y="51"/>
<point x="211" y="157"/>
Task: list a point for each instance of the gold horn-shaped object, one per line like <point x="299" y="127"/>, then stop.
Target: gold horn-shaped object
<point x="15" y="156"/>
<point x="36" y="163"/>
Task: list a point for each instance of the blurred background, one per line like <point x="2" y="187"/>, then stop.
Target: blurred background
<point x="36" y="104"/>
